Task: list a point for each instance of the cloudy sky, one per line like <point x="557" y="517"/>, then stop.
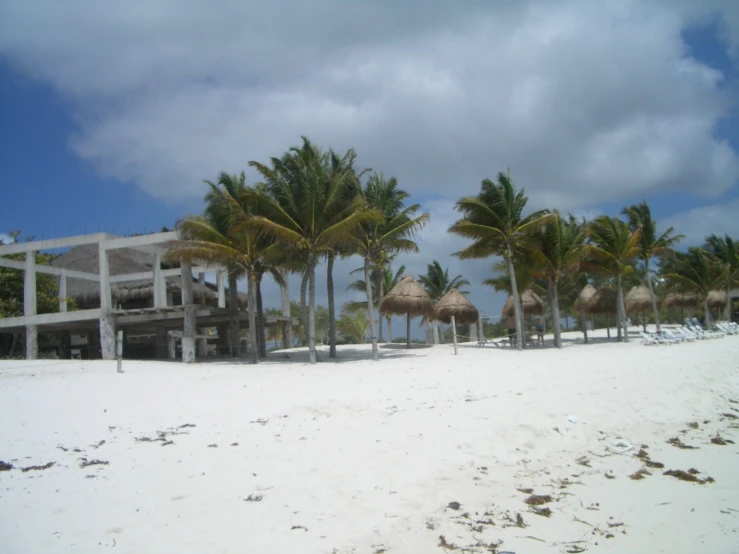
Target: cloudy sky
<point x="112" y="114"/>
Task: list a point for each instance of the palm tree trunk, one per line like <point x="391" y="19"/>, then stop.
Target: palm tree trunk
<point x="652" y="295"/>
<point x="554" y="301"/>
<point x="390" y="329"/>
<point x="371" y="309"/>
<point x="261" y="328"/>
<point x="440" y="326"/>
<point x="331" y="305"/>
<point x="729" y="307"/>
<point x="253" y="351"/>
<point x="706" y="312"/>
<point x="312" y="309"/>
<point x="287" y="327"/>
<point x="379" y="290"/>
<point x="304" y="302"/>
<point x="644" y="321"/>
<point x="583" y="323"/>
<point x="623" y="333"/>
<point x="516" y="301"/>
<point x="408" y="330"/>
<point x="435" y="332"/>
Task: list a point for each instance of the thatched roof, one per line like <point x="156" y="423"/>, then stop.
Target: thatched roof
<point x="680" y="300"/>
<point x="638" y="299"/>
<point x="603" y="301"/>
<point x="407" y="297"/>
<point x="716" y="299"/>
<point x="531" y="303"/>
<point x="120" y="261"/>
<point x="456" y="304"/>
<point x="585" y="297"/>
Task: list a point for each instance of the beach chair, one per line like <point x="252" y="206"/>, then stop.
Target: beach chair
<point x="677" y="338"/>
<point x="689" y="334"/>
<point x="727" y="329"/>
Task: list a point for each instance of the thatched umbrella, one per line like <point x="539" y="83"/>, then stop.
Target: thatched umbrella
<point x="454" y="306"/>
<point x="583" y="299"/>
<point x="638" y="299"/>
<point x="680" y="300"/>
<point x="407" y="298"/>
<point x="716" y="299"/>
<point x="603" y="301"/>
<point x="531" y="304"/>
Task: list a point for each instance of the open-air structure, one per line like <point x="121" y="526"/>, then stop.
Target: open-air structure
<point x="125" y="283"/>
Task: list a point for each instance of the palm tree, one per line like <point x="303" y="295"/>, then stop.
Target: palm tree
<point x="697" y="271"/>
<point x="495" y="222"/>
<point x="309" y="205"/>
<point x="389" y="280"/>
<point x="557" y="249"/>
<point x="389" y="234"/>
<point x="725" y="249"/>
<point x="213" y="238"/>
<point x="650" y="243"/>
<point x="612" y="249"/>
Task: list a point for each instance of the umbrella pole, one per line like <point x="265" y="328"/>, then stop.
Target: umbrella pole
<point x="454" y="334"/>
<point x="408" y="330"/>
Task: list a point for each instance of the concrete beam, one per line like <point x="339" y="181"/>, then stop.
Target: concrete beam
<point x="143" y="240"/>
<point x="51" y="244"/>
<point x="49" y="319"/>
<point x="50" y="270"/>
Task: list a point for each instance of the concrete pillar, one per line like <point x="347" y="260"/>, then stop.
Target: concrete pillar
<point x="287" y="328"/>
<point x="107" y="323"/>
<point x="160" y="288"/>
<point x="29" y="305"/>
<point x="188" y="328"/>
<point x="171" y="346"/>
<point x="221" y="289"/>
<point x="63" y="291"/>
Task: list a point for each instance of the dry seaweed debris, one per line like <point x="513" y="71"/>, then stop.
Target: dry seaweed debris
<point x="538" y="499"/>
<point x="5" y="466"/>
<point x="693" y="425"/>
<point x="675" y="441"/>
<point x="639" y="474"/>
<point x="721" y="441"/>
<point x="689" y="475"/>
<point x="545" y="512"/>
<point x="37" y="468"/>
<point x="447" y="545"/>
<point x="84" y="462"/>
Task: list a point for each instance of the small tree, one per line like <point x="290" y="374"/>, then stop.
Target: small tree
<point x="353" y="325"/>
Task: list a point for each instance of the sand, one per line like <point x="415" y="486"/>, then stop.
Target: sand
<point x="422" y="452"/>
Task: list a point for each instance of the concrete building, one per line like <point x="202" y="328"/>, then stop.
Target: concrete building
<point x="126" y="283"/>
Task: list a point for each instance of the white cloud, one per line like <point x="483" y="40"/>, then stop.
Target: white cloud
<point x="698" y="223"/>
<point x="585" y="101"/>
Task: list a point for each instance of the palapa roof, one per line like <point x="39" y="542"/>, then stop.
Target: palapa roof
<point x="456" y="304"/>
<point x="716" y="299"/>
<point x="680" y="300"/>
<point x="585" y="297"/>
<point x="120" y="261"/>
<point x="638" y="299"/>
<point x="407" y="297"/>
<point x="531" y="303"/>
<point x="603" y="301"/>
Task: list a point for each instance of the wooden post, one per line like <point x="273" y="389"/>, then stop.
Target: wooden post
<point x="408" y="330"/>
<point x="107" y="325"/>
<point x="119" y="351"/>
<point x="188" y="328"/>
<point x="63" y="291"/>
<point x="454" y="334"/>
<point x="29" y="305"/>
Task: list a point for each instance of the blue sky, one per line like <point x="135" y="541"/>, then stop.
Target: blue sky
<point x="116" y="133"/>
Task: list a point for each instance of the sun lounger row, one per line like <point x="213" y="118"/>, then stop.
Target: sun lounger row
<point x="691" y="331"/>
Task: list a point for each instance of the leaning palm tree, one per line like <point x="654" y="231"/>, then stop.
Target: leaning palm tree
<point x="557" y="249"/>
<point x="495" y="222"/>
<point x="389" y="234"/>
<point x="612" y="249"/>
<point x="309" y="206"/>
<point x="696" y="271"/>
<point x="651" y="244"/>
<point x="727" y="251"/>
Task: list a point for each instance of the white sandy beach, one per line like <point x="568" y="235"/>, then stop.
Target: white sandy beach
<point x="366" y="457"/>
